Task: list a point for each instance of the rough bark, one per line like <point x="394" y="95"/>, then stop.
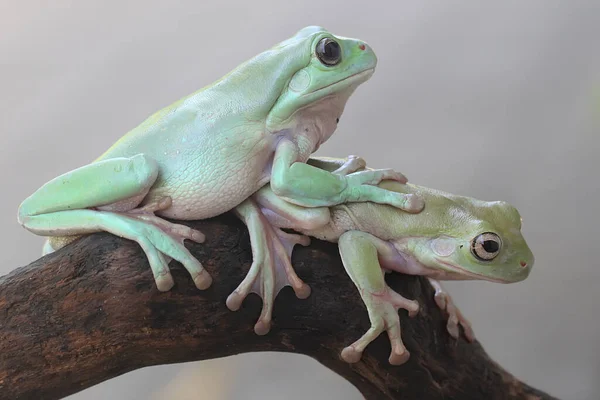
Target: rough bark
<point x="91" y="312"/>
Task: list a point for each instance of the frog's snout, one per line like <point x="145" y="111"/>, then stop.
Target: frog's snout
<point x="365" y="53"/>
<point x="521" y="273"/>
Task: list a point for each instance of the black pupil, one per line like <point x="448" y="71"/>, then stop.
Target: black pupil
<point x="332" y="50"/>
<point x="491" y="246"/>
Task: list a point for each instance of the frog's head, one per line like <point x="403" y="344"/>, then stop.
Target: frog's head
<point x="331" y="68"/>
<point x="480" y="240"/>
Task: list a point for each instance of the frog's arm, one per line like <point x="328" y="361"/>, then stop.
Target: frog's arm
<point x="360" y="254"/>
<point x="79" y="202"/>
<point x="309" y="186"/>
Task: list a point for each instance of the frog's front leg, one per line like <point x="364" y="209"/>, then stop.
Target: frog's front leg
<point x="455" y="316"/>
<point x="339" y="166"/>
<point x="103" y="196"/>
<point x="271" y="268"/>
<point x="360" y="254"/>
<point x="347" y="166"/>
<point x="309" y="186"/>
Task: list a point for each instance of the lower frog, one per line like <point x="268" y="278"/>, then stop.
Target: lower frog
<point x="453" y="238"/>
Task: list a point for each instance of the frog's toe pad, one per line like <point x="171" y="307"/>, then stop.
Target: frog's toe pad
<point x="399" y="358"/>
<point x="351" y="355"/>
<point x="234" y="301"/>
<point x="164" y="283"/>
<point x="440" y="300"/>
<point x="203" y="280"/>
<point x="413" y="309"/>
<point x="414" y="203"/>
<point x="452" y="328"/>
<point x="182" y="232"/>
<point x="302" y="292"/>
<point x="197" y="236"/>
<point x="262" y="327"/>
<point x="356" y="163"/>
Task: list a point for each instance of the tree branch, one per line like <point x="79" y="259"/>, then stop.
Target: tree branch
<point x="91" y="312"/>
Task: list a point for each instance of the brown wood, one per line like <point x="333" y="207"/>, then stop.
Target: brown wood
<point x="91" y="312"/>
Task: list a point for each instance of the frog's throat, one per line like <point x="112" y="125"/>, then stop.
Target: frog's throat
<point x="459" y="270"/>
<point x="354" y="77"/>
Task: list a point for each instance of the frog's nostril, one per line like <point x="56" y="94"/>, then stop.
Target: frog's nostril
<point x="523" y="264"/>
<point x="362" y="46"/>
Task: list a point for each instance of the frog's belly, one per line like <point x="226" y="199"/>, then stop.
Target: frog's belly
<point x="200" y="192"/>
<point x="202" y="200"/>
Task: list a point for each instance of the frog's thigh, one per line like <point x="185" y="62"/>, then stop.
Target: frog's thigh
<point x="97" y="184"/>
<point x="290" y="215"/>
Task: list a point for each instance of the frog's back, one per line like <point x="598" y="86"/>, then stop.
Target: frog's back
<point x="154" y="133"/>
<point x="241" y="98"/>
<point x="443" y="212"/>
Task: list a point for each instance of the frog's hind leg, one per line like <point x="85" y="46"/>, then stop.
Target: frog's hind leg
<point x="102" y="196"/>
<point x="271" y="268"/>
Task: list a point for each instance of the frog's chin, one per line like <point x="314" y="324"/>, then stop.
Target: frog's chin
<point x="348" y="81"/>
<point x="469" y="274"/>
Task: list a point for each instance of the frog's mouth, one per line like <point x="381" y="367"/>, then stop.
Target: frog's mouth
<point x="354" y="77"/>
<point x="462" y="271"/>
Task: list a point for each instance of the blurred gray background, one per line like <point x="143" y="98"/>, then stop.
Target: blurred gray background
<point x="496" y="100"/>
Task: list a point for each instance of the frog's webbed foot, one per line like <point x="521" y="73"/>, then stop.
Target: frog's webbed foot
<point x="362" y="183"/>
<point x="159" y="260"/>
<point x="355" y="168"/>
<point x="383" y="314"/>
<point x="177" y="231"/>
<point x="162" y="241"/>
<point x="271" y="268"/>
<point x="352" y="164"/>
<point x="455" y="316"/>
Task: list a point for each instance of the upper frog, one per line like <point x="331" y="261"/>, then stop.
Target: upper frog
<point x="297" y="89"/>
<point x="207" y="152"/>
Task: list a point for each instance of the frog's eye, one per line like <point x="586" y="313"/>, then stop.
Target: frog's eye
<point x="329" y="51"/>
<point x="486" y="246"/>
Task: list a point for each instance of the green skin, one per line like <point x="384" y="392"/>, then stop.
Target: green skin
<point x="208" y="152"/>
<point x="439" y="243"/>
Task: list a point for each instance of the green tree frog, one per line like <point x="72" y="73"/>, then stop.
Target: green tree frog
<point x="453" y="238"/>
<point x="206" y="153"/>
